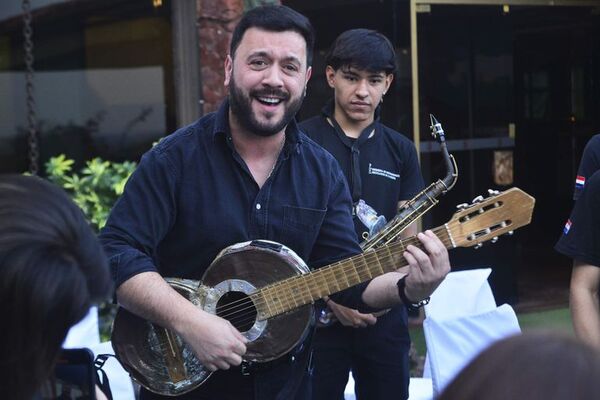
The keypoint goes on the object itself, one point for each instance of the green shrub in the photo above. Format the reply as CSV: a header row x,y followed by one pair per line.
x,y
95,188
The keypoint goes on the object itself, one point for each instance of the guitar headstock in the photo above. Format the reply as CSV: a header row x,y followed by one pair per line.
x,y
490,217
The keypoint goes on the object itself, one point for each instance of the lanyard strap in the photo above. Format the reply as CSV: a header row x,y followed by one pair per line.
x,y
354,146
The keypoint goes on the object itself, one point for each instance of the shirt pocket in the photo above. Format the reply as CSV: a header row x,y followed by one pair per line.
x,y
301,228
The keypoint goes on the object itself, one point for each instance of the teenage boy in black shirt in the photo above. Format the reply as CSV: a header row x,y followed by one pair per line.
x,y
382,170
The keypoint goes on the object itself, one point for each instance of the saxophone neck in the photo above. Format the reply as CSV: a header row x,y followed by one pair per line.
x,y
452,169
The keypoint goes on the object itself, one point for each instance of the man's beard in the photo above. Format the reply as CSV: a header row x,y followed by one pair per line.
x,y
241,107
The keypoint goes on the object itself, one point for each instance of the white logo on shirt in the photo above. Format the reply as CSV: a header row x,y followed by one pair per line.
x,y
383,172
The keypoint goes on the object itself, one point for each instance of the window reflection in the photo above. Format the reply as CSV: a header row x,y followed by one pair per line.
x,y
103,80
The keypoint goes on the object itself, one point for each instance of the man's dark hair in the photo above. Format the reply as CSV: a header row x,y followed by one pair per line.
x,y
275,18
363,49
51,270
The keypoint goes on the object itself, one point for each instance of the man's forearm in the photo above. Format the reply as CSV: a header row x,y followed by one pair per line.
x,y
585,309
150,296
585,312
382,292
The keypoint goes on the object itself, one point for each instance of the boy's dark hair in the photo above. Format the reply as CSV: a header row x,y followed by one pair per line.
x,y
51,270
363,49
275,18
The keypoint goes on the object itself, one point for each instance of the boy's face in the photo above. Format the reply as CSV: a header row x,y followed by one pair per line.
x,y
357,92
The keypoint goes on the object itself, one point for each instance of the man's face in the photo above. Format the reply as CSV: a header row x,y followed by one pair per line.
x,y
357,92
267,78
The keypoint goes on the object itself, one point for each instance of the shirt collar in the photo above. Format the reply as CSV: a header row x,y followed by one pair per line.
x,y
367,133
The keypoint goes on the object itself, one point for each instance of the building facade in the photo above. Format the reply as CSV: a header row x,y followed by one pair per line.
x,y
516,85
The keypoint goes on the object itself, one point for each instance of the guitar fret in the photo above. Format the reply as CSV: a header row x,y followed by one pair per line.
x,y
365,275
333,281
277,299
308,292
355,280
390,256
374,256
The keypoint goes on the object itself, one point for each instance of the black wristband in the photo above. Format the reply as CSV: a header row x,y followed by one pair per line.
x,y
409,304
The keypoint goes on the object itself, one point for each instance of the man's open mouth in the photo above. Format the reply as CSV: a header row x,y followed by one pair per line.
x,y
270,101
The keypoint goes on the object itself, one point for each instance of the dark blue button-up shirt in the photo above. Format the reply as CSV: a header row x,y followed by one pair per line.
x,y
192,195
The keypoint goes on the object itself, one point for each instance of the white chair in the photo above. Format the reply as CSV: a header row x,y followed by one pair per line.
x,y
120,382
85,333
461,320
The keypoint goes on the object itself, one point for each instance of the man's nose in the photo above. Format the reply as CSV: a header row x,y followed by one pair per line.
x,y
273,76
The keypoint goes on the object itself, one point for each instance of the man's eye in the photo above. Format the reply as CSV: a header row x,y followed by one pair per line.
x,y
291,68
258,63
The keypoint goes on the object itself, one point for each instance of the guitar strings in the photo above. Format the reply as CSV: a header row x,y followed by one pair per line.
x,y
245,308
230,310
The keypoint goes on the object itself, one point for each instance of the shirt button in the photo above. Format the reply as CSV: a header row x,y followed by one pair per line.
x,y
258,206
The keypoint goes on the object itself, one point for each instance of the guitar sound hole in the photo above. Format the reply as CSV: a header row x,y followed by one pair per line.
x,y
237,308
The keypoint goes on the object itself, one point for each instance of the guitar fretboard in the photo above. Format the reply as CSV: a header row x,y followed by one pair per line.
x,y
299,290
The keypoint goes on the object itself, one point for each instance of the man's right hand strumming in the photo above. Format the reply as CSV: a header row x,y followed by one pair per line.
x,y
216,343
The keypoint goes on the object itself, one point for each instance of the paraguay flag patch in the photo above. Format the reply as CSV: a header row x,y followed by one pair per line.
x,y
579,181
567,227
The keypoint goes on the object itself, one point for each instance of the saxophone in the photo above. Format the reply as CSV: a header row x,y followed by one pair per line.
x,y
422,202
410,211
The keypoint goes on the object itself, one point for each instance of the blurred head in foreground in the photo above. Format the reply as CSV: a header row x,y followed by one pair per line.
x,y
52,269
532,366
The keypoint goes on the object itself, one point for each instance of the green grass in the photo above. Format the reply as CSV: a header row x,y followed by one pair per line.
x,y
558,319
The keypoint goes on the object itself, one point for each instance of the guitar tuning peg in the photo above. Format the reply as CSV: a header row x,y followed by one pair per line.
x,y
510,233
492,192
494,239
477,199
478,246
462,206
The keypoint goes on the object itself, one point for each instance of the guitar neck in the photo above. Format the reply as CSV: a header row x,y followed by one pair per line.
x,y
299,290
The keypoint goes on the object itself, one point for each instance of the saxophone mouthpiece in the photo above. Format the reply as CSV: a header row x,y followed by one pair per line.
x,y
436,128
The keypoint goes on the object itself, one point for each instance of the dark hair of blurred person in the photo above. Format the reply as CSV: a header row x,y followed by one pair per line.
x,y
52,269
532,366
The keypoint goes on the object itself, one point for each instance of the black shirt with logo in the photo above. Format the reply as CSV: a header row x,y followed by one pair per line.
x,y
590,163
381,166
580,239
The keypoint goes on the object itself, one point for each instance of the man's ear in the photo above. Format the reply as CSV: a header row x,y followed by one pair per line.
x,y
308,74
330,75
228,67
